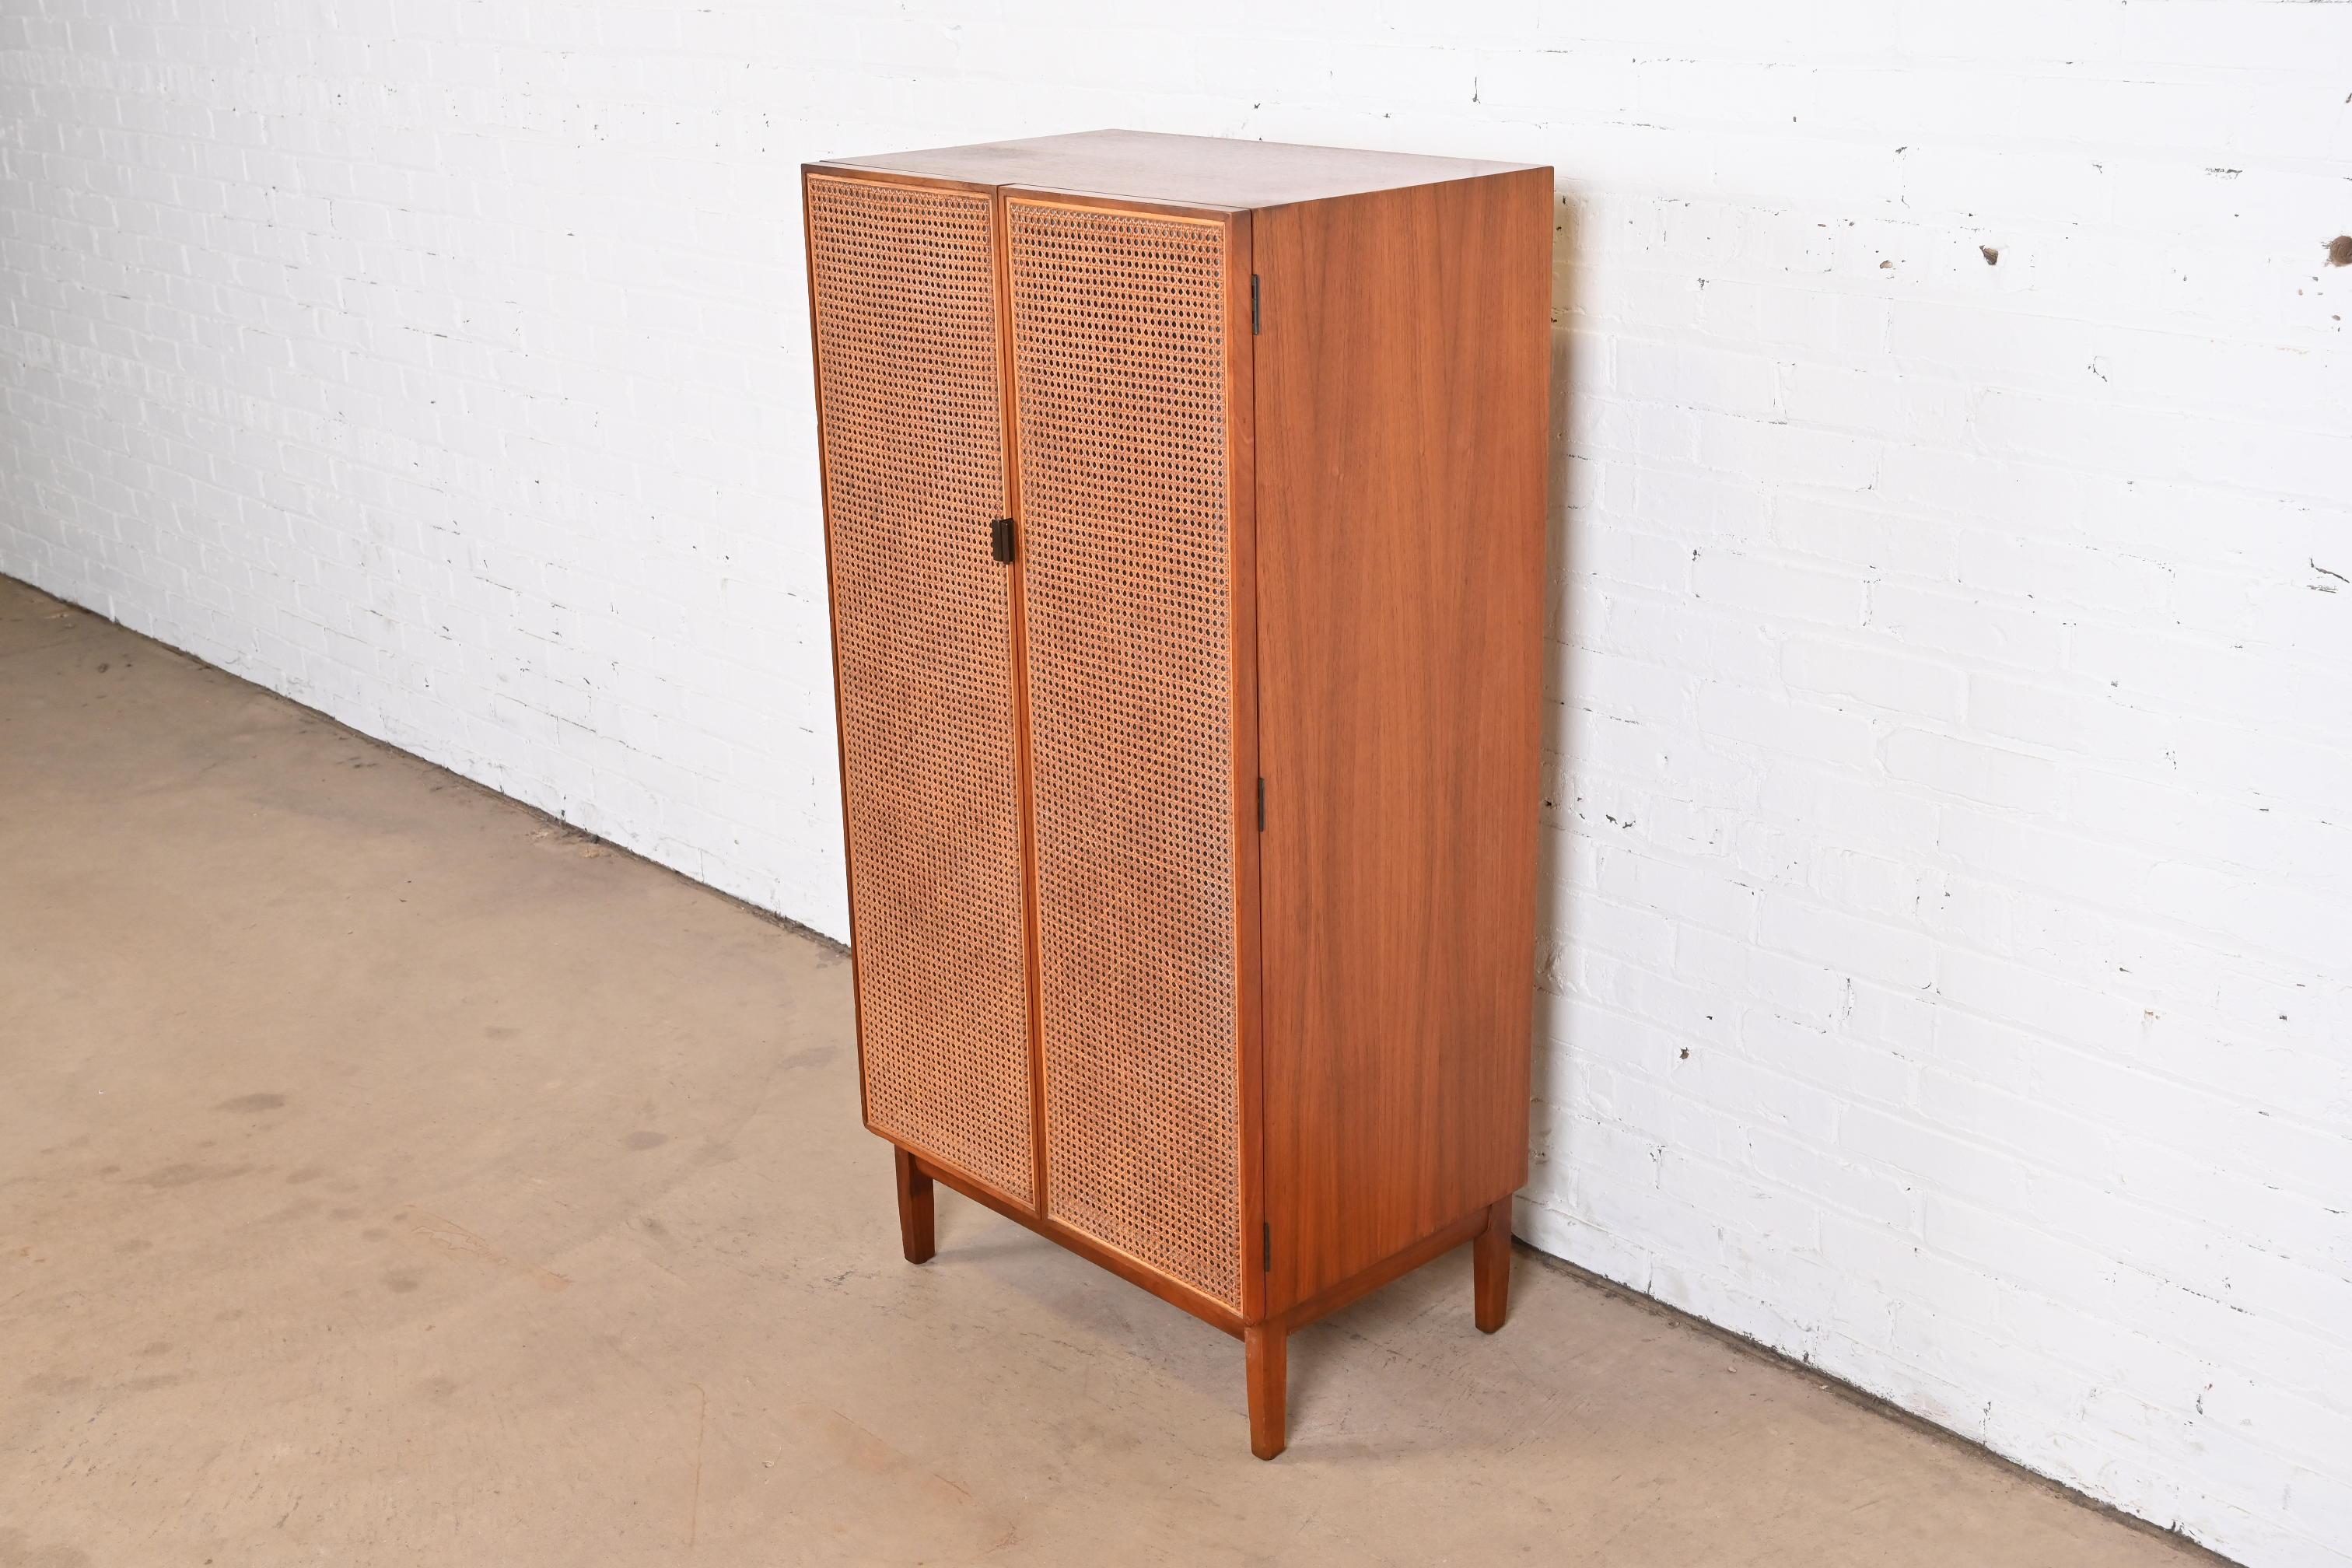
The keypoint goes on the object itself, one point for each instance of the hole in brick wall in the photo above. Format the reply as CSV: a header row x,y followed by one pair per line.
x,y
2339,250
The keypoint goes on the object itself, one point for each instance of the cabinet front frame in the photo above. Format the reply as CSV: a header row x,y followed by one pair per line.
x,y
1245,795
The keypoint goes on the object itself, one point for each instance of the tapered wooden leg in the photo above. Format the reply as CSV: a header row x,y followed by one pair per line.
x,y
1494,1268
1268,1347
914,1210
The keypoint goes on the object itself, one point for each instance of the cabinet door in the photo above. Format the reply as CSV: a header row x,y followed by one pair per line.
x,y
903,291
1124,357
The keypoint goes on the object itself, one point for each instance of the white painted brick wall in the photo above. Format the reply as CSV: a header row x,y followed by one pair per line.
x,y
1950,851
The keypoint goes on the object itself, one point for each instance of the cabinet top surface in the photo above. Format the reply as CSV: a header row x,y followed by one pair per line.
x,y
1208,171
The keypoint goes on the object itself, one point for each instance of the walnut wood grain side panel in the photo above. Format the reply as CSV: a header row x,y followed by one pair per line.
x,y
1403,398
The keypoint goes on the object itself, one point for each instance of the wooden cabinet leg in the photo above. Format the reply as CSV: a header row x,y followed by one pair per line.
x,y
1268,1348
1494,1268
914,1210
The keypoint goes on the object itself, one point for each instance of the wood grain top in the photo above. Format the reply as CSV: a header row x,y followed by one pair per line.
x,y
1202,171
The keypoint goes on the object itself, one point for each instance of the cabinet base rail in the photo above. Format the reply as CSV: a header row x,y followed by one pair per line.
x,y
1264,1342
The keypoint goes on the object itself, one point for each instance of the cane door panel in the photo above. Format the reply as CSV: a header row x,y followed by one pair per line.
x,y
1121,332
904,288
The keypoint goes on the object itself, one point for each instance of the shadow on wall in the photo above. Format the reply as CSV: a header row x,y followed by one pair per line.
x,y
1548,1080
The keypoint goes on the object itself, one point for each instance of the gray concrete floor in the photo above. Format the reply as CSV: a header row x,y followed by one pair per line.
x,y
390,1177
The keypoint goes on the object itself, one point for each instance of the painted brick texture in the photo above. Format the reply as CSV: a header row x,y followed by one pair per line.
x,y
1947,973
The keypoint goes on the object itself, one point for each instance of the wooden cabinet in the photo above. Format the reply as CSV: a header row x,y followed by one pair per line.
x,y
1185,523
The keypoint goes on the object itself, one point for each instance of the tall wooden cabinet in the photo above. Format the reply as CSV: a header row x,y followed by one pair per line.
x,y
1184,515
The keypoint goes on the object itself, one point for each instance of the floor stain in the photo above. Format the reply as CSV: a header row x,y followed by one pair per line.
x,y
452,1237
185,1175
55,1383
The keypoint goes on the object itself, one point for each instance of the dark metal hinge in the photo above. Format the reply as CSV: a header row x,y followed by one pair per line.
x,y
1252,303
1261,804
1000,539
1265,1246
